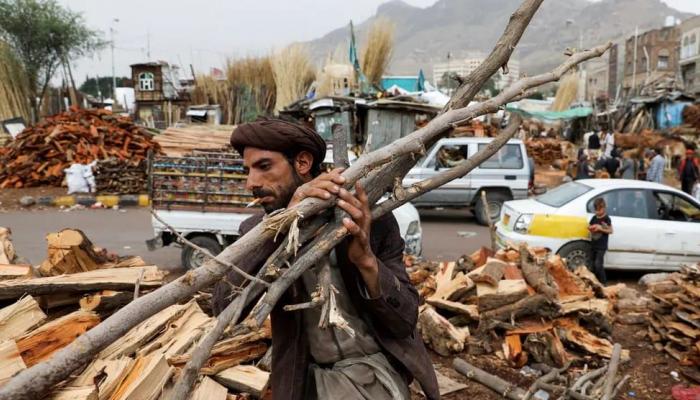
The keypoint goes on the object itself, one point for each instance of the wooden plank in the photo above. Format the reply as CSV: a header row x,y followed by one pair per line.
x,y
100,279
507,292
75,393
245,378
601,306
108,374
12,271
10,360
492,272
20,317
470,310
180,333
209,389
39,344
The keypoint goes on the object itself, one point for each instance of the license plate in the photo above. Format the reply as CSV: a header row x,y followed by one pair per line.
x,y
506,219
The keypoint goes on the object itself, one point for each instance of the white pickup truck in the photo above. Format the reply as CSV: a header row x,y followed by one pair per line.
x,y
203,198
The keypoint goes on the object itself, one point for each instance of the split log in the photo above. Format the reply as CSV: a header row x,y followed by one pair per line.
x,y
452,289
587,276
492,272
638,304
179,333
508,292
513,351
571,332
546,348
7,249
70,251
611,374
39,344
75,393
601,306
439,333
226,358
247,247
531,305
632,318
498,385
468,310
11,361
101,279
145,380
107,375
105,300
209,389
245,378
131,342
480,256
567,283
537,275
11,271
20,317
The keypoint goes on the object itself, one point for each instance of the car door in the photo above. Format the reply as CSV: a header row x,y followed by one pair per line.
x,y
632,244
445,156
678,226
506,168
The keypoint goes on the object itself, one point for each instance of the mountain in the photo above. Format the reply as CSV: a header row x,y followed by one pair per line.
x,y
425,35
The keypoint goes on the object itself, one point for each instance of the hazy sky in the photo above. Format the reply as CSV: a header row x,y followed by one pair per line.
x,y
206,32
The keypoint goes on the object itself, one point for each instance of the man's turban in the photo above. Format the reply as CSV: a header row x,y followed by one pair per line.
x,y
279,135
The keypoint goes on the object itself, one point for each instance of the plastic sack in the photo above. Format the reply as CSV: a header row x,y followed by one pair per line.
x,y
680,392
80,179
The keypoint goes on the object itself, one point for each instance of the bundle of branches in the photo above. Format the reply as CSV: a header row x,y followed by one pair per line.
x,y
293,73
691,115
14,88
377,50
377,171
566,92
41,152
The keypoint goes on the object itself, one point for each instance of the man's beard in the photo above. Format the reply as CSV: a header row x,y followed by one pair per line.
x,y
284,196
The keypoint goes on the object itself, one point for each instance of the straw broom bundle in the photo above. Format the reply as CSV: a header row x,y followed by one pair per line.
x,y
14,88
377,51
252,88
566,93
293,74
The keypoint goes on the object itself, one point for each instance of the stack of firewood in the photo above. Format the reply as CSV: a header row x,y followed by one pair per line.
x,y
674,323
545,151
41,152
116,176
522,304
44,309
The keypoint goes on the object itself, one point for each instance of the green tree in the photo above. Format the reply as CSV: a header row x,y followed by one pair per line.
x,y
449,80
43,35
90,86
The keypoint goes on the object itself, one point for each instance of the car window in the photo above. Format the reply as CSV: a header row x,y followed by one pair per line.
x,y
629,203
563,194
449,156
508,157
672,207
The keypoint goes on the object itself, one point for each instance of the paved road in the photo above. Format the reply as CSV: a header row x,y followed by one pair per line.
x,y
446,234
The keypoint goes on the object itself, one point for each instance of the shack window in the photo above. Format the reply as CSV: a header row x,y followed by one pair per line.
x,y
663,62
146,81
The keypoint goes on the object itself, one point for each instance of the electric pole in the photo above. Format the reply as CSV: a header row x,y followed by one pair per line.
x,y
114,75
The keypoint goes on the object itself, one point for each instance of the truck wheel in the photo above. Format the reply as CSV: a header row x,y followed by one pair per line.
x,y
192,258
495,201
576,254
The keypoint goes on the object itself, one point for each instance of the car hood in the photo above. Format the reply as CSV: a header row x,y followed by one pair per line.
x,y
530,206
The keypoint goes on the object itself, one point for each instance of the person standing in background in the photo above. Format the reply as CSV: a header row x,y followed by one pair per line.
x,y
628,168
593,143
600,227
689,171
656,167
608,144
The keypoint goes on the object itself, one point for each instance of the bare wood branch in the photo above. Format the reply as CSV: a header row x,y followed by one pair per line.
x,y
611,375
206,252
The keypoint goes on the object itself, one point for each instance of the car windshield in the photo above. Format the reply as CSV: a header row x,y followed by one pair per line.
x,y
563,194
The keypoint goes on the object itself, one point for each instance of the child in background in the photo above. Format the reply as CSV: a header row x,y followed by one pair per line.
x,y
600,227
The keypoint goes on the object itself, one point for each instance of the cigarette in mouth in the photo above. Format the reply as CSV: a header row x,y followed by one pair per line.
x,y
254,202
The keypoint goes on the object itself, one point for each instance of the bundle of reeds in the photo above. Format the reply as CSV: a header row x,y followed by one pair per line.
x,y
293,74
566,93
14,87
252,86
377,50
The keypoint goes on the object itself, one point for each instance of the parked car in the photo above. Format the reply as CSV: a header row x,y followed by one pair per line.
x,y
505,176
655,227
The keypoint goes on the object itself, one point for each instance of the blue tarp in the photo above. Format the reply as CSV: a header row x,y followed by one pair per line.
x,y
670,114
578,112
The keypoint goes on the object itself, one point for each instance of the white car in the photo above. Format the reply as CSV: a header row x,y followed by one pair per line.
x,y
655,227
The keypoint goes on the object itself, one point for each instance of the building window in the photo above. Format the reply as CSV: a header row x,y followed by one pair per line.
x,y
146,82
662,62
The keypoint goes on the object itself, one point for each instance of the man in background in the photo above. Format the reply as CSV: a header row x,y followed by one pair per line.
x,y
655,173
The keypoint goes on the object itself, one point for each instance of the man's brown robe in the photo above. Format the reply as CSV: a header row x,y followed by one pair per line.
x,y
391,317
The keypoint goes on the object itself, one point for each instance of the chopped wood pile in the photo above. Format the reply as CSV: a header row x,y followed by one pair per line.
x,y
647,139
674,323
43,310
474,128
545,151
116,176
522,304
41,152
180,141
691,115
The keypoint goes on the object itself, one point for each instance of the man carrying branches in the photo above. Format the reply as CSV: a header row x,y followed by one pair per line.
x,y
375,352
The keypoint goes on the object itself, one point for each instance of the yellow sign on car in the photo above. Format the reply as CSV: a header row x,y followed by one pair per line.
x,y
559,226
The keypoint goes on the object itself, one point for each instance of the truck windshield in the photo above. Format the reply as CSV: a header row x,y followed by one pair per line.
x,y
563,194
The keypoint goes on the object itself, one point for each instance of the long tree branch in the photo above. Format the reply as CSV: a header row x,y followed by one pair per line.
x,y
34,381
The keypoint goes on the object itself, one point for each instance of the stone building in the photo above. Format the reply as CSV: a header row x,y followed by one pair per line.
x,y
690,54
655,59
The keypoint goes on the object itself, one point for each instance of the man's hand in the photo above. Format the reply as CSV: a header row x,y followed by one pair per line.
x,y
358,225
322,187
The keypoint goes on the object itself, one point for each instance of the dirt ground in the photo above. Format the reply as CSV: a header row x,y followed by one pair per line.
x,y
649,370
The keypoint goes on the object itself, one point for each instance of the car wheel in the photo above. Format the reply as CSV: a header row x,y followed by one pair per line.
x,y
192,258
495,202
576,254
